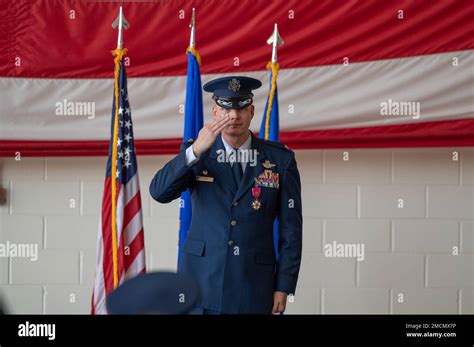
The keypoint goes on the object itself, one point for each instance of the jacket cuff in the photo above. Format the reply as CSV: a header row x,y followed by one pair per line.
x,y
285,283
182,168
190,157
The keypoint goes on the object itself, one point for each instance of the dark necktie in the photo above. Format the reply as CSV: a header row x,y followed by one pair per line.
x,y
237,171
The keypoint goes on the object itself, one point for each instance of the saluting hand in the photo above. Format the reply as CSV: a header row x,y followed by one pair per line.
x,y
207,135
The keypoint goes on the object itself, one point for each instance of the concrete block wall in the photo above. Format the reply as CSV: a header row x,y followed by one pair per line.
x,y
418,251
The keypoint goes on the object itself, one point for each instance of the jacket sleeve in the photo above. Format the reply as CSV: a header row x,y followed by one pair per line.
x,y
290,229
173,179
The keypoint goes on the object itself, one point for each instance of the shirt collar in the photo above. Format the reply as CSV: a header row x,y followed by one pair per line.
x,y
244,146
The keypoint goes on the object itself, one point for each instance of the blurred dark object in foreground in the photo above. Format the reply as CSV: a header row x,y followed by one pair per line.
x,y
154,293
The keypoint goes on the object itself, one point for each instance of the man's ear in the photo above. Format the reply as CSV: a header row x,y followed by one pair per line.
x,y
215,112
252,111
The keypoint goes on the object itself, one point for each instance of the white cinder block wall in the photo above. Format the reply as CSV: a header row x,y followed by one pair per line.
x,y
409,266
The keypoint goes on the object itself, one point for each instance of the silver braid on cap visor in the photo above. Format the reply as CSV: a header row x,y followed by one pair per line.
x,y
229,103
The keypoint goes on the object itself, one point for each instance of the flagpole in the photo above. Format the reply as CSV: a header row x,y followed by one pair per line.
x,y
193,121
269,130
192,38
119,22
192,25
275,40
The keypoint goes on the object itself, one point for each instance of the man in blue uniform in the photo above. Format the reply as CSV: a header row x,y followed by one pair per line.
x,y
238,184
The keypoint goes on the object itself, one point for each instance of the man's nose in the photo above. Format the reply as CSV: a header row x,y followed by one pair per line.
x,y
234,114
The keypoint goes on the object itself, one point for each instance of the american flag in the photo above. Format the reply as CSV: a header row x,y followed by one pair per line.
x,y
130,255
427,56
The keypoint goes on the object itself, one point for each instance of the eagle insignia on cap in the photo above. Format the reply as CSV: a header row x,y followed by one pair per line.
x,y
234,85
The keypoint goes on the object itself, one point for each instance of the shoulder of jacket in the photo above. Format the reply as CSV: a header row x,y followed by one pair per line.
x,y
274,144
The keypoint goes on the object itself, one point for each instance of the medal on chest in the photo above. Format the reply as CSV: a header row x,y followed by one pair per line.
x,y
256,204
268,179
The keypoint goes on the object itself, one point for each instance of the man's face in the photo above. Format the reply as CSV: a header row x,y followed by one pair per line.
x,y
239,119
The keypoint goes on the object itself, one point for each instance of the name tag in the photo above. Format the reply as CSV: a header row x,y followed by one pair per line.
x,y
204,178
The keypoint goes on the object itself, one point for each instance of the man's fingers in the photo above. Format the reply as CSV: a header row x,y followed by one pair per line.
x,y
276,304
218,131
221,120
219,124
221,127
275,307
208,134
